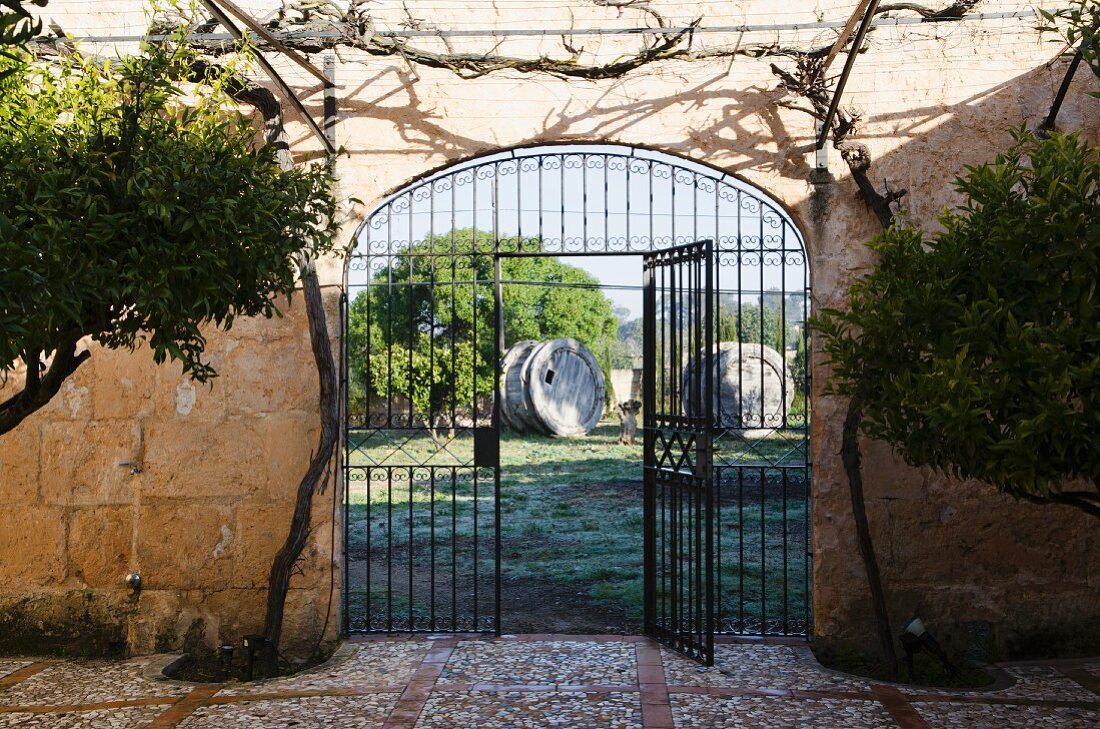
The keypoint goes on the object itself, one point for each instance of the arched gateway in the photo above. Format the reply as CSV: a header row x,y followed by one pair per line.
x,y
727,485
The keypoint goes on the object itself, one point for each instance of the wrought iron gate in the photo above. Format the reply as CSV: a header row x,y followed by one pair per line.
x,y
422,514
678,406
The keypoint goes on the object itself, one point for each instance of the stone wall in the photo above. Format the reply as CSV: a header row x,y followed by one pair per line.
x,y
219,466
132,467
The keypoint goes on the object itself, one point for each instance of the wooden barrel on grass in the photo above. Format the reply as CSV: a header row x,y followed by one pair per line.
x,y
555,388
753,388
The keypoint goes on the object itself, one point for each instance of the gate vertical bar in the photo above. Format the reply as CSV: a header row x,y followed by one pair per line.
x,y
498,349
710,485
649,405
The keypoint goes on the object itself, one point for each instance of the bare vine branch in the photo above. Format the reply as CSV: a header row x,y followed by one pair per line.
x,y
952,12
808,82
359,35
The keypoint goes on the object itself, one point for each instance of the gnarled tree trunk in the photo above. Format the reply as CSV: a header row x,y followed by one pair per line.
x,y
320,465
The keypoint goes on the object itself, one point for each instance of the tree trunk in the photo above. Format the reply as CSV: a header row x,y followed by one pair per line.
x,y
319,470
850,455
320,464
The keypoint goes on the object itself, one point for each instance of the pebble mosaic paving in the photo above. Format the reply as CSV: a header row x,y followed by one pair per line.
x,y
693,711
984,716
88,682
320,712
378,663
531,710
131,717
1028,682
7,667
507,662
757,666
540,682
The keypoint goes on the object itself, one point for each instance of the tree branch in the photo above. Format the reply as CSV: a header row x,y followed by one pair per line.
x,y
1063,89
1086,501
951,12
39,389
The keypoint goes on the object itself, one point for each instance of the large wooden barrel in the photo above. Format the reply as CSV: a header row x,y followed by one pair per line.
x,y
555,388
752,386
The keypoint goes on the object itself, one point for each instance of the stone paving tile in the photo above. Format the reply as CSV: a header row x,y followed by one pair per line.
x,y
531,710
377,663
756,666
7,667
320,712
696,711
576,663
131,717
985,716
1032,682
88,682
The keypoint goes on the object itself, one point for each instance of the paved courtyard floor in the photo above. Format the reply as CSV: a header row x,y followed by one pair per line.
x,y
530,682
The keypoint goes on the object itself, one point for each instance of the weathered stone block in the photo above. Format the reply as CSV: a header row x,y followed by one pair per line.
x,y
890,477
92,464
261,529
100,544
124,383
72,622
32,542
202,459
304,620
20,451
185,544
270,377
289,324
233,613
152,625
288,443
74,400
178,397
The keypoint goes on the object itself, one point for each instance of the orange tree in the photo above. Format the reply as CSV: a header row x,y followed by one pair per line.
x,y
128,214
976,350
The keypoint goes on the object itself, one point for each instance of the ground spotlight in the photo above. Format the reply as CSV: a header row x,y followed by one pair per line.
x,y
914,638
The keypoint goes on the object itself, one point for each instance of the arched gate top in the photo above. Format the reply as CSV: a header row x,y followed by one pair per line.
x,y
570,198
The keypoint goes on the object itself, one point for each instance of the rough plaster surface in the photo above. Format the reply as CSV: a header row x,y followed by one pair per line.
x,y
219,465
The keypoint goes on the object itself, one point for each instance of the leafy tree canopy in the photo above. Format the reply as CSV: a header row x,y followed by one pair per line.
x,y
976,350
130,212
443,322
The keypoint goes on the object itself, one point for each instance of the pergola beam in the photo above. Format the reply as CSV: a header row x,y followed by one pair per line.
x,y
857,43
223,18
250,23
845,35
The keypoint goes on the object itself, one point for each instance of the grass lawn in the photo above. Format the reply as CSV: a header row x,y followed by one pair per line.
x,y
571,534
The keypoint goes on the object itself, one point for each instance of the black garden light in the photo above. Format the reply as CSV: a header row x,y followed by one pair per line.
x,y
914,638
225,659
253,644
